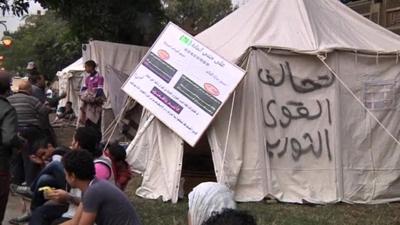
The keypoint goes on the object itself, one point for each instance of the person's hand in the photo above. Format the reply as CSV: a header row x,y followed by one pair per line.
x,y
45,153
37,160
49,152
58,195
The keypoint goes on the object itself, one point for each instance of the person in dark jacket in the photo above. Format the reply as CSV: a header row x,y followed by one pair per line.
x,y
8,139
38,91
38,86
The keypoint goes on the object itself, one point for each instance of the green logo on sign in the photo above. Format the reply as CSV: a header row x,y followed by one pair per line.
x,y
185,40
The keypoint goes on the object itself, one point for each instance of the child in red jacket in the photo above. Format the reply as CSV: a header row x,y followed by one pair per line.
x,y
121,169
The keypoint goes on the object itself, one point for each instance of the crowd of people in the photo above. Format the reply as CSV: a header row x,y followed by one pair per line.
x,y
83,183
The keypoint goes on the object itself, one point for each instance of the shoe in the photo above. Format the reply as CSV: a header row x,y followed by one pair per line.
x,y
24,191
24,218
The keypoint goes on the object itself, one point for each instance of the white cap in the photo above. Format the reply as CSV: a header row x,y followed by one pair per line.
x,y
31,65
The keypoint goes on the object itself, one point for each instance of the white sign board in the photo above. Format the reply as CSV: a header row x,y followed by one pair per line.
x,y
183,83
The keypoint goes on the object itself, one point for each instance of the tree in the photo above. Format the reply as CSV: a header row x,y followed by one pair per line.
x,y
17,7
134,22
45,39
197,15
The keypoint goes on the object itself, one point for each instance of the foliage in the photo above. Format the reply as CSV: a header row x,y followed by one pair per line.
x,y
44,39
196,16
17,7
134,22
53,40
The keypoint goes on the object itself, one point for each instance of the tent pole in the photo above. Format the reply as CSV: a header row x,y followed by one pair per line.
x,y
227,139
117,122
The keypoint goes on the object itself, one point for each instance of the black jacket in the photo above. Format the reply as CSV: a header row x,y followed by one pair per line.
x,y
8,133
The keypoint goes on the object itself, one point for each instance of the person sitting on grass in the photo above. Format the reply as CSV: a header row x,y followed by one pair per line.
x,y
66,112
230,217
121,169
55,211
102,202
208,198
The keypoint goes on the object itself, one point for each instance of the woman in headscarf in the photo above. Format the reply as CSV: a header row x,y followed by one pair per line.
x,y
208,198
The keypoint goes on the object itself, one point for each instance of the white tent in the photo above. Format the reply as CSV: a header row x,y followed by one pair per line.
x,y
115,63
69,81
315,119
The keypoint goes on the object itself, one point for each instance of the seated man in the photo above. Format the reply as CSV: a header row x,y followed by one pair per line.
x,y
51,175
52,212
66,113
102,202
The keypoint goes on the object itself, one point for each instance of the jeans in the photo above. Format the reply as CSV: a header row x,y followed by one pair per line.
x,y
53,176
22,168
47,213
4,188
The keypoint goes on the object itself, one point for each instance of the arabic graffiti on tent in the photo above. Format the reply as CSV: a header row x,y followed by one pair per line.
x,y
278,114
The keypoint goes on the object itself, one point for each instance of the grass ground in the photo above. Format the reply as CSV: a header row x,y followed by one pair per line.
x,y
156,212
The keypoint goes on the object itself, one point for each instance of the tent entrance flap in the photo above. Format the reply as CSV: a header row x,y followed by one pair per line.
x,y
197,165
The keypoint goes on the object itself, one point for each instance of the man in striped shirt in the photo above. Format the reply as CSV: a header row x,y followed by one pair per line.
x,y
29,113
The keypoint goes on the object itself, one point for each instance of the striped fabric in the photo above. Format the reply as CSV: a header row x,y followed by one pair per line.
x,y
29,109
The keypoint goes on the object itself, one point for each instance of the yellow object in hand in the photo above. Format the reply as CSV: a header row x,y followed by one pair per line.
x,y
46,191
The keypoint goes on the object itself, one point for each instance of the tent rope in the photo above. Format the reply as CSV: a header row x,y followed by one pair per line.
x,y
117,122
322,58
358,100
109,128
227,137
246,62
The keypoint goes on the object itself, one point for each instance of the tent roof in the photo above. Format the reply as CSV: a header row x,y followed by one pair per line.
x,y
305,26
76,66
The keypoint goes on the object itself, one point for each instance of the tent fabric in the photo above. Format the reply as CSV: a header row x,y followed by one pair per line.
x,y
330,150
76,66
115,62
158,157
296,135
70,80
305,26
122,58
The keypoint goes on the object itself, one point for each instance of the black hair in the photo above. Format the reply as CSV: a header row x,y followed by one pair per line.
x,y
33,72
34,78
80,163
117,152
91,63
88,138
231,217
41,141
61,150
5,83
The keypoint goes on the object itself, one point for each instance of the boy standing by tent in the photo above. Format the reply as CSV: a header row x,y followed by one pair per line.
x,y
93,97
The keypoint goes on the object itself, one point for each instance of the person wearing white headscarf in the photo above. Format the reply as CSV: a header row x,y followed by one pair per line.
x,y
208,198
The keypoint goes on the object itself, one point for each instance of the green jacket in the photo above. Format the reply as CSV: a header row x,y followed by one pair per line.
x,y
8,133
